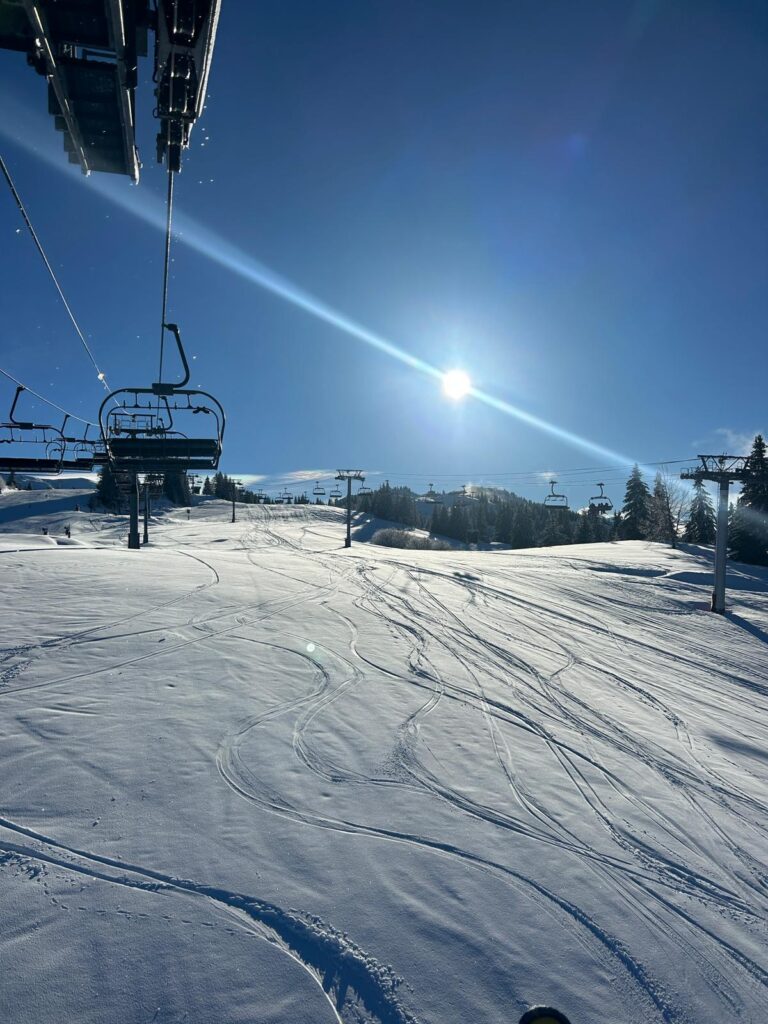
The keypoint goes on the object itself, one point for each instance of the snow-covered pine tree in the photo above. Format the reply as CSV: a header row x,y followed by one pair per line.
x,y
749,540
207,488
666,509
636,508
701,525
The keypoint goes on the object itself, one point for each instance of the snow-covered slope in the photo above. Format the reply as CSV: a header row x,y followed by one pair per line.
x,y
250,776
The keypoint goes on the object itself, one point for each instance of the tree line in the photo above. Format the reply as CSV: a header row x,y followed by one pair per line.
x,y
666,511
222,486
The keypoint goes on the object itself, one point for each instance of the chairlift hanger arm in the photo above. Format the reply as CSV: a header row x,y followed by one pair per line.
x,y
23,425
159,388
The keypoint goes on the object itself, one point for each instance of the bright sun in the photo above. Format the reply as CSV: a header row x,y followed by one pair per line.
x,y
456,384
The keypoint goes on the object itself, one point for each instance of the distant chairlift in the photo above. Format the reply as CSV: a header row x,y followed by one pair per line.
x,y
555,500
600,502
318,491
363,488
335,492
139,432
286,497
43,436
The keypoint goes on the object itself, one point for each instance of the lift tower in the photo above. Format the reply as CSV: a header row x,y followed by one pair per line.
x,y
723,469
349,475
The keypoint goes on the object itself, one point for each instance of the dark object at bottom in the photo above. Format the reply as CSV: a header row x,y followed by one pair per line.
x,y
544,1015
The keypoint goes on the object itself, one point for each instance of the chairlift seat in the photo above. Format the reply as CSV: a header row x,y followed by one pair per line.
x,y
20,464
164,454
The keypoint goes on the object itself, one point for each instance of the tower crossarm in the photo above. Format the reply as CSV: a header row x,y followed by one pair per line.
x,y
721,467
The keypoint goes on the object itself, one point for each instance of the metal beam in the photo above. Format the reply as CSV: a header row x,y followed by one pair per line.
x,y
349,475
721,549
39,24
116,23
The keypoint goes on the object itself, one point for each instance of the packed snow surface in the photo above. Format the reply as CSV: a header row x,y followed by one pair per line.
x,y
249,775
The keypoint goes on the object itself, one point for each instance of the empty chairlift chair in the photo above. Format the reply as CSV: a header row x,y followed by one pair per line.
x,y
554,500
39,447
140,426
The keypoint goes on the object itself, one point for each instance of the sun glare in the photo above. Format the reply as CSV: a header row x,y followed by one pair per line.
x,y
456,384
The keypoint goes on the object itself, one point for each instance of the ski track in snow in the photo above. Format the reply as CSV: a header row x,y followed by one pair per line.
x,y
537,663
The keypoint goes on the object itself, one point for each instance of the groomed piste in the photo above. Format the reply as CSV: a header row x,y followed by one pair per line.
x,y
251,776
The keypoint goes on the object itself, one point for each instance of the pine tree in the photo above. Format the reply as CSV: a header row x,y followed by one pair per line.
x,y
554,530
207,488
749,540
522,528
584,532
457,523
635,511
700,527
176,488
504,521
661,526
107,490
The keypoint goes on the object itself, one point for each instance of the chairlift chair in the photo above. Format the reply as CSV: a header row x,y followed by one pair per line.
x,y
364,489
554,500
42,434
139,432
600,502
335,492
318,490
286,496
432,496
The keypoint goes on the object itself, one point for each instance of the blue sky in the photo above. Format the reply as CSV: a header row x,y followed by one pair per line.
x,y
566,200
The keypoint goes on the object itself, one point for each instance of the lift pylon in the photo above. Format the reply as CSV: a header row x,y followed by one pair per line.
x,y
723,470
349,475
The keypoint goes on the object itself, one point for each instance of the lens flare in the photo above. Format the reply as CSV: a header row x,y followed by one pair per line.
x,y
188,232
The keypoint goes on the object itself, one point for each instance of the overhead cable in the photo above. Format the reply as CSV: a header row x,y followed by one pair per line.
x,y
47,401
166,264
28,222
